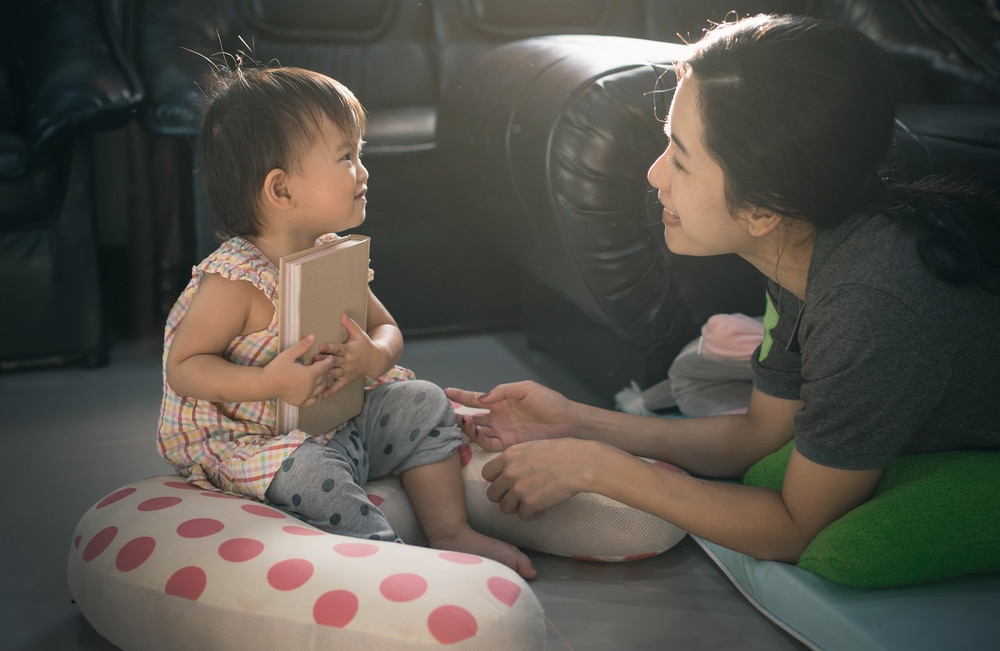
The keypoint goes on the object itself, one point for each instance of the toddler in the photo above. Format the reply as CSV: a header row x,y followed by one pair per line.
x,y
281,164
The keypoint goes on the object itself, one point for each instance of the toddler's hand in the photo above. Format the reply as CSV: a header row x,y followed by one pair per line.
x,y
357,357
297,383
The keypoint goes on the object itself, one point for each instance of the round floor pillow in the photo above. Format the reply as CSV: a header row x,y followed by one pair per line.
x,y
160,564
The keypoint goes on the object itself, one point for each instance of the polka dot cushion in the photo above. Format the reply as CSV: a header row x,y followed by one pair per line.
x,y
162,564
159,564
588,526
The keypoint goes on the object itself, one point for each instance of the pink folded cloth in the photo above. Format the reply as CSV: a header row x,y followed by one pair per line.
x,y
711,375
730,336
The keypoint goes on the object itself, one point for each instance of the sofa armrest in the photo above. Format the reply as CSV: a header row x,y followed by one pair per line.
x,y
76,83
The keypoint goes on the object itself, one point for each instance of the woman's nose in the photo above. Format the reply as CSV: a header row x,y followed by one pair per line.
x,y
659,172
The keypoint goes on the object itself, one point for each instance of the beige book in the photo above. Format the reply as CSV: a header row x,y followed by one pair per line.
x,y
315,287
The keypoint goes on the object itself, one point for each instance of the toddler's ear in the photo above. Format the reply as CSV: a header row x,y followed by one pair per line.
x,y
275,192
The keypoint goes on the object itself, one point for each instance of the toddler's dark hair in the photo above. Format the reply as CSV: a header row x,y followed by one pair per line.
x,y
260,118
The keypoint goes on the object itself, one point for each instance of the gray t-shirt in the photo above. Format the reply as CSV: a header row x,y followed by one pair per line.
x,y
888,359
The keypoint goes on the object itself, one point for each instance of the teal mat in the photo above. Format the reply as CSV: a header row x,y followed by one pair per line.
x,y
955,614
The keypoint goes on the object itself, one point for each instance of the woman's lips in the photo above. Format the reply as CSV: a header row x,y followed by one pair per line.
x,y
670,219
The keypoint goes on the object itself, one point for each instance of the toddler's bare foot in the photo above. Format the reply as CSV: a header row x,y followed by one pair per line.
x,y
472,542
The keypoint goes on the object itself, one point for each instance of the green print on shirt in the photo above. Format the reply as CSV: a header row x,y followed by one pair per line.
x,y
770,321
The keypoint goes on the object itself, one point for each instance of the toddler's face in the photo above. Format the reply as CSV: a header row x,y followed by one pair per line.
x,y
329,183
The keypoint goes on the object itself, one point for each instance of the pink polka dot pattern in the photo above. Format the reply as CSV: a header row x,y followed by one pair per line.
x,y
199,528
623,559
162,540
290,574
134,553
460,558
403,587
451,624
336,608
158,503
182,485
114,497
240,550
187,582
355,550
99,543
263,511
301,531
505,590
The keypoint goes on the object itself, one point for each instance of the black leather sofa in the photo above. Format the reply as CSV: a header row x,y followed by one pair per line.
x,y
62,80
507,146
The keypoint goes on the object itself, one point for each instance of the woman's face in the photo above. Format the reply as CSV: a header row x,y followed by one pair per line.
x,y
691,187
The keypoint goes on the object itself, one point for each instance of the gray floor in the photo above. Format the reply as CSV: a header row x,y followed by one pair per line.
x,y
70,436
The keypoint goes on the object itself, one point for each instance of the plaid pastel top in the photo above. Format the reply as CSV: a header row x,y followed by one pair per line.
x,y
234,446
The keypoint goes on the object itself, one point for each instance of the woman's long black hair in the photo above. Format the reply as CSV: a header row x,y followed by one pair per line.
x,y
799,113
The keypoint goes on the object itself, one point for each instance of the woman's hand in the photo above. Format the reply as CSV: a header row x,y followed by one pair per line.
x,y
529,478
518,412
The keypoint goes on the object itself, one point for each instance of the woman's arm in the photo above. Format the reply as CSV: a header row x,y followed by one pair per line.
x,y
529,478
764,523
592,450
721,446
555,448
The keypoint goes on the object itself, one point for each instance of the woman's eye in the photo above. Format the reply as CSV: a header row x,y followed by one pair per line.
x,y
672,157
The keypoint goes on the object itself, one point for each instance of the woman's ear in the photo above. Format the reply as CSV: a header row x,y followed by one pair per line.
x,y
760,222
275,192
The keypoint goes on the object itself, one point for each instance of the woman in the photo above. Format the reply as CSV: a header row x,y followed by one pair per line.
x,y
882,304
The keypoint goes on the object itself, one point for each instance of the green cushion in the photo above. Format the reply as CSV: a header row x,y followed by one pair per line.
x,y
932,517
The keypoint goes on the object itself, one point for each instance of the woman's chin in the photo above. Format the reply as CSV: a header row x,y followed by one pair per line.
x,y
676,244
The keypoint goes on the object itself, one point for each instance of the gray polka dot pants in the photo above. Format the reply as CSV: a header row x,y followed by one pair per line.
x,y
402,425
